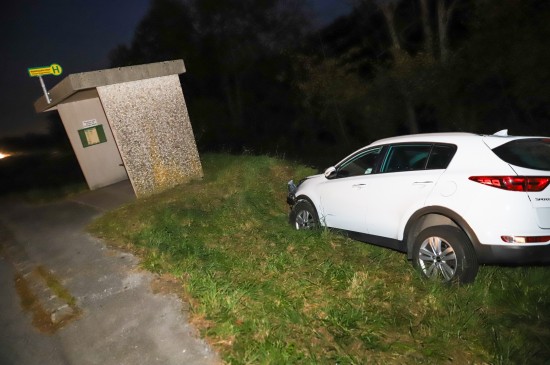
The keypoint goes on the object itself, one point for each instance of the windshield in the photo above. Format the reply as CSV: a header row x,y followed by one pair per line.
x,y
531,153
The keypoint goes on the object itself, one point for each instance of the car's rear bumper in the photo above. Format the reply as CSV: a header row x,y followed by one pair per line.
x,y
513,255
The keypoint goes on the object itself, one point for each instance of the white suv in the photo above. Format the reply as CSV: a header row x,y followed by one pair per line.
x,y
451,201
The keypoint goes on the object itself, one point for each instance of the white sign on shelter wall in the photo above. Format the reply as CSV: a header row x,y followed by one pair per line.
x,y
89,123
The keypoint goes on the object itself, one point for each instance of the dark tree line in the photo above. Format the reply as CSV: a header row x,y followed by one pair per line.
x,y
260,77
238,57
55,139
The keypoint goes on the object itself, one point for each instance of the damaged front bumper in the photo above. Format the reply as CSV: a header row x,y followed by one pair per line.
x,y
291,197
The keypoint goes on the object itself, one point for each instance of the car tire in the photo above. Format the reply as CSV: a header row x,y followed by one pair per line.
x,y
304,216
446,254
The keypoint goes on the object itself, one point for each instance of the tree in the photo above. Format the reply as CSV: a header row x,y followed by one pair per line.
x,y
411,67
333,96
166,32
237,56
445,10
388,9
426,27
401,61
499,78
242,36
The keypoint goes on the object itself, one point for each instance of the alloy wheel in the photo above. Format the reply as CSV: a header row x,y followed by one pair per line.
x,y
437,258
304,220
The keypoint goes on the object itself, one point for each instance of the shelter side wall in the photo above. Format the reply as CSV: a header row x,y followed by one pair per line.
x,y
153,132
93,142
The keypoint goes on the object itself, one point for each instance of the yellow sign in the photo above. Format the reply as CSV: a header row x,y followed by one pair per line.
x,y
53,69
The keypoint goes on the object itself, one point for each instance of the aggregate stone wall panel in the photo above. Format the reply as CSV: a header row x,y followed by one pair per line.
x,y
151,126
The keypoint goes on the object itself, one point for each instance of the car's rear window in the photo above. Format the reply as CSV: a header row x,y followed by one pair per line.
x,y
441,157
531,153
418,156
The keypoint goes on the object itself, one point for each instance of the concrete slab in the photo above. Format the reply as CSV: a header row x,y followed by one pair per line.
x,y
107,198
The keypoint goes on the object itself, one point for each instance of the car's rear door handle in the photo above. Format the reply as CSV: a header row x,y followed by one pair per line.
x,y
358,186
423,182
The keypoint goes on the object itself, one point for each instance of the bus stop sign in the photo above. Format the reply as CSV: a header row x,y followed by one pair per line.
x,y
53,69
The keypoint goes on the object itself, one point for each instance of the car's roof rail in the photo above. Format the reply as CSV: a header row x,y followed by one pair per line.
x,y
502,133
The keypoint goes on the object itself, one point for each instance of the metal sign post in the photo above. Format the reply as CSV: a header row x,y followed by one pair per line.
x,y
53,69
46,93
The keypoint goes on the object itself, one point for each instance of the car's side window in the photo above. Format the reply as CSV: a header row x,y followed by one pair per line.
x,y
362,164
441,156
406,157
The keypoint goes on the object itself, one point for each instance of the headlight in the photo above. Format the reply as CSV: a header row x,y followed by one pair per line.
x,y
291,187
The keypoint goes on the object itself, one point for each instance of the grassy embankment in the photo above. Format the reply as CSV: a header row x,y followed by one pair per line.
x,y
261,292
41,176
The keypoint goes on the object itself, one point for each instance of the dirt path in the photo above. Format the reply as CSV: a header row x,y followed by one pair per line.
x,y
65,298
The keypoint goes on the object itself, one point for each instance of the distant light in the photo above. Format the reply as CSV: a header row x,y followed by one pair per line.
x,y
4,155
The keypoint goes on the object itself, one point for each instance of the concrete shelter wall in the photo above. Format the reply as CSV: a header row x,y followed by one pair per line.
x,y
151,126
101,164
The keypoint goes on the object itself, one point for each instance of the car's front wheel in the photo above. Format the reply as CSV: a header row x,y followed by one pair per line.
x,y
446,254
304,216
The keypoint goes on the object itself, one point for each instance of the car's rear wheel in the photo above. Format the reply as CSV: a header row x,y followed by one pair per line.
x,y
446,254
304,215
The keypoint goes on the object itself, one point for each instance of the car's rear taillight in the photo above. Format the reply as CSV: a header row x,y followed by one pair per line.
x,y
514,183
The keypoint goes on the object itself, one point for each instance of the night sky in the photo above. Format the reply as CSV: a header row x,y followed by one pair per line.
x,y
76,34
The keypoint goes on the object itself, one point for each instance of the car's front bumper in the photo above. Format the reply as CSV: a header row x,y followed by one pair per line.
x,y
291,197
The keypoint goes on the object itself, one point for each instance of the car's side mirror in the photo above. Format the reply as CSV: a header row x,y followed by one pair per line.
x,y
330,172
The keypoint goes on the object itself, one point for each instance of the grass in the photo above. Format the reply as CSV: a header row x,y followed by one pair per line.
x,y
56,287
261,292
30,302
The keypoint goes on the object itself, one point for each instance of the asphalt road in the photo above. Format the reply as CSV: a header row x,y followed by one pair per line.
x,y
65,298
